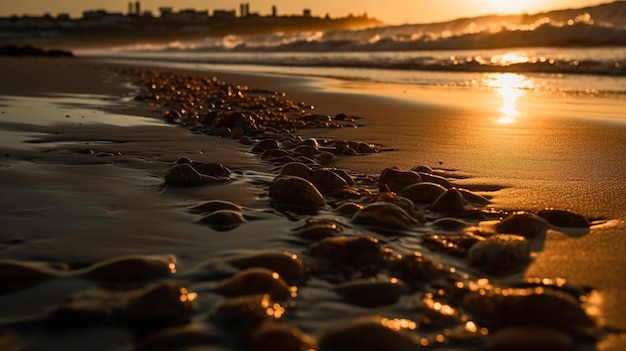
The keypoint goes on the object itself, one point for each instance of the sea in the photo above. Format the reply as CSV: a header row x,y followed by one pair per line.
x,y
579,51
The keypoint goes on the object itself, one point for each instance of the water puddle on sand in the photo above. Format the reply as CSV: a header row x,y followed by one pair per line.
x,y
23,118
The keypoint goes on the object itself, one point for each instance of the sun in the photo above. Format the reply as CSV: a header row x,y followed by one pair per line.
x,y
508,6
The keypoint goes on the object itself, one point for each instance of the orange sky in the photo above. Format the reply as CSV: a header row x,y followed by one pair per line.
x,y
402,11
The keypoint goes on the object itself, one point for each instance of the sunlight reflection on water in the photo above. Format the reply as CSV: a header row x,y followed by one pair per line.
x,y
509,87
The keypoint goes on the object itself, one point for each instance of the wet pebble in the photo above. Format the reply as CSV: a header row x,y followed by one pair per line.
x,y
562,218
500,254
287,264
423,193
524,338
281,337
384,215
450,202
215,205
245,313
317,229
348,209
185,175
133,267
223,220
355,252
296,191
253,281
522,223
371,333
416,269
395,180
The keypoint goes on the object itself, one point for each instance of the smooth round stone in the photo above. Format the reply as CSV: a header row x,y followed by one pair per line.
x,y
450,223
252,281
473,198
297,169
223,219
215,205
534,306
133,267
395,180
373,293
176,337
167,301
522,223
306,151
565,219
272,154
343,174
423,193
185,175
371,333
450,202
211,169
280,337
327,181
422,168
352,251
500,254
245,313
287,264
384,215
431,178
524,338
296,191
317,230
266,144
416,269
348,209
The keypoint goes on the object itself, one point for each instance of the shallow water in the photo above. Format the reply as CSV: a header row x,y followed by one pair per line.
x,y
117,205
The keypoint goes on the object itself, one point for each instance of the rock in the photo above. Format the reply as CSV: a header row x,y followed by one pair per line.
x,y
500,254
416,269
253,281
287,264
523,338
473,198
245,313
316,229
266,144
351,251
522,223
297,192
372,293
565,219
431,178
455,245
280,337
133,267
450,202
327,181
17,271
348,209
185,175
394,180
384,215
423,193
223,219
297,169
371,333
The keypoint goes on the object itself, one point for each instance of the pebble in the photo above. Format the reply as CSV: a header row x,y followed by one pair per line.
x,y
450,202
133,267
252,281
395,180
423,193
562,218
522,223
287,264
371,333
373,292
384,215
351,251
524,338
223,220
280,337
297,192
500,254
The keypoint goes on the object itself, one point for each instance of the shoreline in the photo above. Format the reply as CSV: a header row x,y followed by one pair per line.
x,y
145,157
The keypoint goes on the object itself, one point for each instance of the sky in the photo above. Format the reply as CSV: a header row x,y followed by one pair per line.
x,y
401,12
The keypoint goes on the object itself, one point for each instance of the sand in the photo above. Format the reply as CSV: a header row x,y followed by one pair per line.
x,y
79,208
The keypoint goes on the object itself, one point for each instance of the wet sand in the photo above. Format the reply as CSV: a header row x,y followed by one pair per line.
x,y
80,208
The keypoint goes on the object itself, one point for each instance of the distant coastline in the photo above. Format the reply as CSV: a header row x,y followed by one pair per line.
x,y
101,28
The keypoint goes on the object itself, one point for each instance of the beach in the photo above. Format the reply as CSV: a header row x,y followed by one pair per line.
x,y
83,167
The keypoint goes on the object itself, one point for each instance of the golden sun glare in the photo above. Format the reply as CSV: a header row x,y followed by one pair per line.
x,y
508,6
